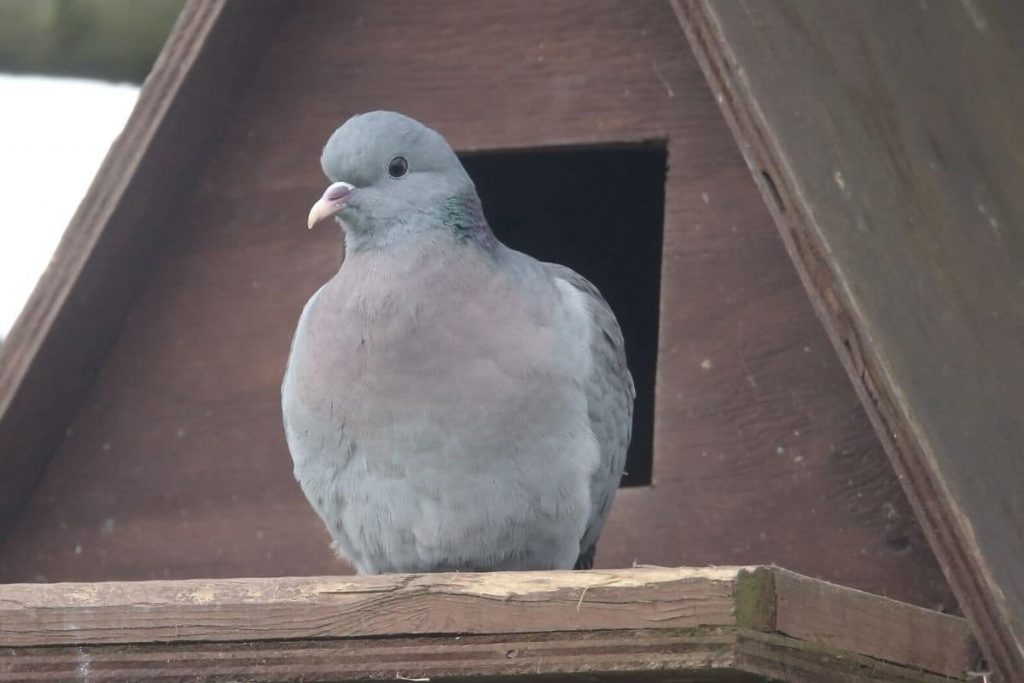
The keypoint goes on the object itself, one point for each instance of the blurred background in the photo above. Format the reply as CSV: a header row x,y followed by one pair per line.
x,y
70,72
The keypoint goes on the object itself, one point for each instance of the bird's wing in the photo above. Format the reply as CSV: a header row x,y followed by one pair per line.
x,y
610,393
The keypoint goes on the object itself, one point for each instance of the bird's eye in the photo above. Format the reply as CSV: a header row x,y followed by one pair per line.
x,y
398,167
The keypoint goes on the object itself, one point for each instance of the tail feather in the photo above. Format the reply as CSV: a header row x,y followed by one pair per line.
x,y
586,558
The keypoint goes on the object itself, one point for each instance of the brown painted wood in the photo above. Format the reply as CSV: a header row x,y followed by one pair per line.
x,y
716,655
55,349
893,631
682,622
584,656
786,659
890,135
175,466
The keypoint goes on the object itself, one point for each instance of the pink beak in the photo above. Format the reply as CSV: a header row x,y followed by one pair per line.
x,y
333,200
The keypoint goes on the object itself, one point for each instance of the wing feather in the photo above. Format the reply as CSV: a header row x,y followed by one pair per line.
x,y
610,392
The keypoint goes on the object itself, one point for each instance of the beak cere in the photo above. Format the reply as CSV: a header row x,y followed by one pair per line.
x,y
333,200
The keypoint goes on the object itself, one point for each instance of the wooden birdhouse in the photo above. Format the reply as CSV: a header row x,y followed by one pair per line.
x,y
805,218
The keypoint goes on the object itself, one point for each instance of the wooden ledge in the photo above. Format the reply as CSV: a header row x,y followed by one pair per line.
x,y
740,623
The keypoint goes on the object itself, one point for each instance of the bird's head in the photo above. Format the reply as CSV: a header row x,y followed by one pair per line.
x,y
391,174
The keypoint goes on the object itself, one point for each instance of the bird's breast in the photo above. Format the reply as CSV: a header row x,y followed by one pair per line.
x,y
434,373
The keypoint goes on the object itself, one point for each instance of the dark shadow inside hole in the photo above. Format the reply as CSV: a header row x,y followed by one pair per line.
x,y
599,211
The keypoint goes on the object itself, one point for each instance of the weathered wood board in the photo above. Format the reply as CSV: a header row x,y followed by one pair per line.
x,y
723,623
887,138
174,464
55,350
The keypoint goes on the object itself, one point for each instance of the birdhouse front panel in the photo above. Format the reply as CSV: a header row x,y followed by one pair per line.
x,y
594,141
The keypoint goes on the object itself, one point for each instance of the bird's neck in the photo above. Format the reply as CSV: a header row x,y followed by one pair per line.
x,y
455,234
399,281
457,219
463,216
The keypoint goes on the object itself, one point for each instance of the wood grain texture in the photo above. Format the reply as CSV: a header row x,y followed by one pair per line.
x,y
816,611
58,343
714,655
670,623
890,136
779,658
175,466
274,609
584,656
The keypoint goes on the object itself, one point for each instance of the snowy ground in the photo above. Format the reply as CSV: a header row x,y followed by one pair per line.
x,y
54,132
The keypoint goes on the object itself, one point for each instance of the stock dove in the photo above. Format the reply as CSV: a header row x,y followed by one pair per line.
x,y
450,404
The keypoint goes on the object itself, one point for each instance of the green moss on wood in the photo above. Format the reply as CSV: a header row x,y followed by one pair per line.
x,y
755,599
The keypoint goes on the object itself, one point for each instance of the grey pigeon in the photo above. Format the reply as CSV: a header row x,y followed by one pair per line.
x,y
450,404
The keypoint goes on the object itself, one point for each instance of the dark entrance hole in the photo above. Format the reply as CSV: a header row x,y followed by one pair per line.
x,y
599,211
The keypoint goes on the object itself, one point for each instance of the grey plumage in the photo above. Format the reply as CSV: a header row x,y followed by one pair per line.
x,y
449,403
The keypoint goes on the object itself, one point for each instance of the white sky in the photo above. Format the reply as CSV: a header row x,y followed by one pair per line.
x,y
54,132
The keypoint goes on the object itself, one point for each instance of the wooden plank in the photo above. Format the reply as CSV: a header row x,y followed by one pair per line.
x,y
779,658
886,139
585,656
842,618
272,609
722,655
685,623
58,343
759,438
